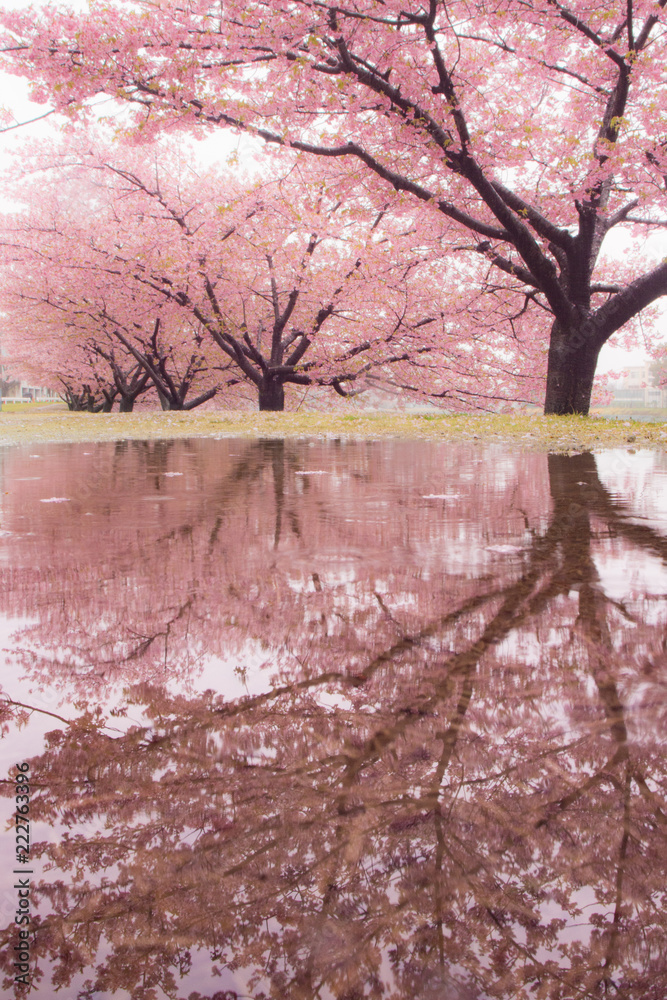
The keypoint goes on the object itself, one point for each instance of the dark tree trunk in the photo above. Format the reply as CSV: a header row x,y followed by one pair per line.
x,y
92,405
126,404
164,402
271,395
172,402
573,358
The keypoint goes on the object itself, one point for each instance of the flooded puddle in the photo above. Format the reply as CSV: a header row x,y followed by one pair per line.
x,y
333,720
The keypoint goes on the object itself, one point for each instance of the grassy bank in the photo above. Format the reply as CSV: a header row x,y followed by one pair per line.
x,y
526,432
45,405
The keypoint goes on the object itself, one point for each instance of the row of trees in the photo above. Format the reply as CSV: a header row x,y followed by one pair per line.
x,y
132,270
526,132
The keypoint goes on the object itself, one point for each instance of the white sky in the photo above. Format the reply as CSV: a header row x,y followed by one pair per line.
x,y
14,91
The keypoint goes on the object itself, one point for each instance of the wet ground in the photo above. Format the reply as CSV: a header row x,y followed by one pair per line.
x,y
335,719
523,431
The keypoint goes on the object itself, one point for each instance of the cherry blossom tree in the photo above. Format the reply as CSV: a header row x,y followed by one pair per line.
x,y
88,374
296,279
533,129
170,362
73,348
128,381
76,326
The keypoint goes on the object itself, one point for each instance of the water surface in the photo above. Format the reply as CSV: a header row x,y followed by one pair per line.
x,y
337,720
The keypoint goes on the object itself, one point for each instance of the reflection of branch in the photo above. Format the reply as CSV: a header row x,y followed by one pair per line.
x,y
521,601
146,641
602,774
510,941
605,506
611,957
42,711
591,621
505,773
388,614
354,680
651,797
512,613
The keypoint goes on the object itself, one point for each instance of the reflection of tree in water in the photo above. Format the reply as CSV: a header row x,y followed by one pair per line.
x,y
465,802
162,569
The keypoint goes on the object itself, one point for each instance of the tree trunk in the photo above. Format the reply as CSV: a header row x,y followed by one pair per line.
x,y
271,395
126,404
573,358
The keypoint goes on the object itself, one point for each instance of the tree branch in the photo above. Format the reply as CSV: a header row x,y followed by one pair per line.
x,y
629,301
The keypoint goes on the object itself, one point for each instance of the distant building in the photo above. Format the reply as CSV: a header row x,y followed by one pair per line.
x,y
634,389
16,391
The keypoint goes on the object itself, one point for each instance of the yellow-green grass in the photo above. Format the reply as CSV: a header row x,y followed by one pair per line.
x,y
520,431
30,407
